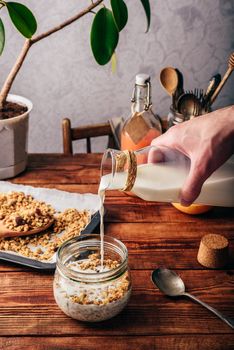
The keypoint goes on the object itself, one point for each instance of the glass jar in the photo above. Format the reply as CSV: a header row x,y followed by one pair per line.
x,y
81,289
143,125
174,117
158,174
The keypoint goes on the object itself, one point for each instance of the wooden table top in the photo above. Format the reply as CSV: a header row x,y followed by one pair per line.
x,y
156,234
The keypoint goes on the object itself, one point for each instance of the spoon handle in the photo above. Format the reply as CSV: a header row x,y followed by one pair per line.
x,y
221,84
228,320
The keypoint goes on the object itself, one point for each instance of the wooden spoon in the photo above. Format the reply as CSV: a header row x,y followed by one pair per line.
x,y
225,78
169,79
6,232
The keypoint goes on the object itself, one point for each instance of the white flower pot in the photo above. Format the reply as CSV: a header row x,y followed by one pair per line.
x,y
14,140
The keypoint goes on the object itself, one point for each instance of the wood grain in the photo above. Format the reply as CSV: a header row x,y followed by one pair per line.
x,y
156,234
36,307
174,342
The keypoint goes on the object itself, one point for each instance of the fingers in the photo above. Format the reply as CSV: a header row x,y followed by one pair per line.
x,y
198,174
166,139
155,155
165,145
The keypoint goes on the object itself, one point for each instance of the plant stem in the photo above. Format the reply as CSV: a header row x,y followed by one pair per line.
x,y
67,22
15,69
29,42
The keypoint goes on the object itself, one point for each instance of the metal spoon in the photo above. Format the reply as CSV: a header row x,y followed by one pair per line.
x,y
172,285
188,103
169,79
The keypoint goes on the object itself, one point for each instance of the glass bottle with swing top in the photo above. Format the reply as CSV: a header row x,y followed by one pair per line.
x,y
143,125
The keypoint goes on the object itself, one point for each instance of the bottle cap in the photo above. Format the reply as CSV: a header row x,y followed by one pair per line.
x,y
142,79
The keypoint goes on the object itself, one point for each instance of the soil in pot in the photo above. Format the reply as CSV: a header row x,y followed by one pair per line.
x,y
11,110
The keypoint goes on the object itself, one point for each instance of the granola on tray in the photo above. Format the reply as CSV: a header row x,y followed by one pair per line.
x,y
22,212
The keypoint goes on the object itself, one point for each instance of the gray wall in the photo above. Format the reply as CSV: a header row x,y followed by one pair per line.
x,y
61,77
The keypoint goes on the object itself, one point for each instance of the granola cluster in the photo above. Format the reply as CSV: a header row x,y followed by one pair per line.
x,y
70,220
41,246
105,294
22,213
94,262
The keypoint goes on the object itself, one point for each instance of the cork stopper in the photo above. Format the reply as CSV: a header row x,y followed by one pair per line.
x,y
213,251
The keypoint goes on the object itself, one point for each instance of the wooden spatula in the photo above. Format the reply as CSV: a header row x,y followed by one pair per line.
x,y
6,232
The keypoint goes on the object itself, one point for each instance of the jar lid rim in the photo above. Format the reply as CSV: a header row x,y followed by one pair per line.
x,y
91,276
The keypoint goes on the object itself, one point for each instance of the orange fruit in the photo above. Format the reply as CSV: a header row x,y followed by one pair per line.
x,y
193,209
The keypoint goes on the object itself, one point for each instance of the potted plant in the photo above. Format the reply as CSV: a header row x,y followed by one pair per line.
x,y
14,110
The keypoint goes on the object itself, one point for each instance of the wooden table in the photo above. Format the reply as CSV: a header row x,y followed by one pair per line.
x,y
156,234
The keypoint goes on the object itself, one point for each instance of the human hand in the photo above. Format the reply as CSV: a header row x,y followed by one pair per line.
x,y
208,141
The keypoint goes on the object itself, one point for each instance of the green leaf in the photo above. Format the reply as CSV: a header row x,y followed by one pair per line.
x,y
120,13
22,18
146,5
2,36
104,36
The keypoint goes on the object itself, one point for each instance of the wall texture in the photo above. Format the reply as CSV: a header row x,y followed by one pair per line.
x,y
61,77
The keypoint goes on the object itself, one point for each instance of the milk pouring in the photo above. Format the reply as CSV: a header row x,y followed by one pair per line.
x,y
159,175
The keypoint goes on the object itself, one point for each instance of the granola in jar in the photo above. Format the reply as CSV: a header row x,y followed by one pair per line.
x,y
83,288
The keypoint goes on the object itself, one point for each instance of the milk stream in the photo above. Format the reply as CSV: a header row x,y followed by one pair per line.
x,y
101,193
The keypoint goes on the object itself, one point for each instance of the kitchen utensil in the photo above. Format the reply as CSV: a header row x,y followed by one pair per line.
x,y
188,104
172,285
6,232
179,90
169,79
196,110
180,86
213,83
225,78
50,264
199,94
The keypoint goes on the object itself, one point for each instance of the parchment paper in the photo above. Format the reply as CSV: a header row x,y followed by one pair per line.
x,y
60,201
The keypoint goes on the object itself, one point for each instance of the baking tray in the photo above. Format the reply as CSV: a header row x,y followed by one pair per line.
x,y
40,265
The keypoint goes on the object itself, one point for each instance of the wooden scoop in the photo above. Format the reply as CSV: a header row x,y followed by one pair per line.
x,y
6,232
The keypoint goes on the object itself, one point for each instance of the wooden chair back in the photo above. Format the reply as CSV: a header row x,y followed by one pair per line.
x,y
84,132
87,132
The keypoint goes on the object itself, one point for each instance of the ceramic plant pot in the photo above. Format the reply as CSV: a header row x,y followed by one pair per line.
x,y
14,140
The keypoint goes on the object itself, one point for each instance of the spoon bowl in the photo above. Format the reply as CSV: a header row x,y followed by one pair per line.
x,y
189,105
168,282
169,79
